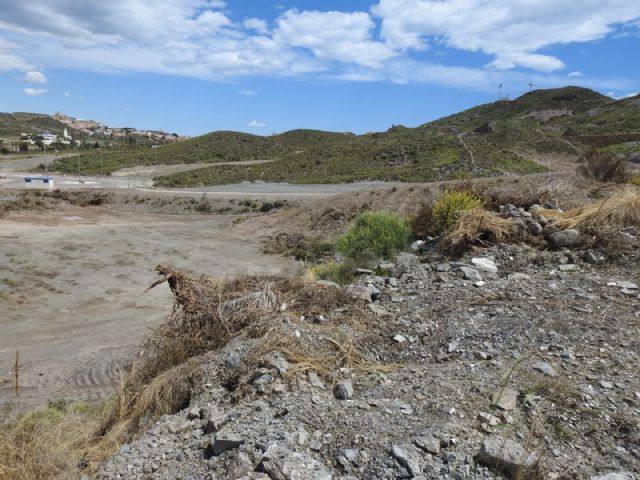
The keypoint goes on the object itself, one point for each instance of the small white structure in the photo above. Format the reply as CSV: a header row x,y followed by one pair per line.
x,y
48,138
46,182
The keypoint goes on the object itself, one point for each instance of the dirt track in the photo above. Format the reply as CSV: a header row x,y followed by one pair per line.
x,y
72,284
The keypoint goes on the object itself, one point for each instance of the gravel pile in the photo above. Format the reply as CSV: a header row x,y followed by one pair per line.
x,y
508,363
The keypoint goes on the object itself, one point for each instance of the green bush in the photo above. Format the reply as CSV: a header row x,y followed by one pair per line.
x,y
339,272
447,209
636,180
374,235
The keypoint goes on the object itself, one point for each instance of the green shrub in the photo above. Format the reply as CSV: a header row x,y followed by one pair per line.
x,y
374,235
636,180
339,272
447,209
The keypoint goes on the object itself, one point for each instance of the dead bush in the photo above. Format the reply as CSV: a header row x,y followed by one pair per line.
x,y
476,227
620,209
605,167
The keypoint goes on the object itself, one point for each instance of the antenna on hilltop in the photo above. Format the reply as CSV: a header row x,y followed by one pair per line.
x,y
530,86
499,91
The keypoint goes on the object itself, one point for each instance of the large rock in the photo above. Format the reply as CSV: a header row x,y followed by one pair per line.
x,y
343,390
504,398
564,238
486,264
507,457
283,464
409,457
404,262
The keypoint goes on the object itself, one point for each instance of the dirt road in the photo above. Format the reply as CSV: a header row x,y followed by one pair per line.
x,y
72,284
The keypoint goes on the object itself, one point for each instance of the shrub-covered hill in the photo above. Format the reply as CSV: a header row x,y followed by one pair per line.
x,y
484,140
14,124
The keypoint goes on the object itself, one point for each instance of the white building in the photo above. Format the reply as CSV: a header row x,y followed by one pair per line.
x,y
48,138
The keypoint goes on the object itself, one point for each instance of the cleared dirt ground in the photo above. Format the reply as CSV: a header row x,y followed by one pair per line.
x,y
72,291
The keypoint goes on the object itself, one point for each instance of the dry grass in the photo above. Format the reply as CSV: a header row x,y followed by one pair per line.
x,y
476,227
622,209
48,442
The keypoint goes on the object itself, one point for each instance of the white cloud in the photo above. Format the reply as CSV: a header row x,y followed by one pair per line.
x,y
345,37
513,32
256,24
200,38
256,124
632,94
35,92
35,77
67,94
247,93
575,74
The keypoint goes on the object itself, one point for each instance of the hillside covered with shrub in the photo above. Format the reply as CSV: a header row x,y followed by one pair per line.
x,y
490,139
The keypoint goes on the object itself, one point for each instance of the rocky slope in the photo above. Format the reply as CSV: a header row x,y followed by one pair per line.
x,y
510,363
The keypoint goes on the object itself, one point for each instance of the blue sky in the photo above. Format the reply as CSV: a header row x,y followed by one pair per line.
x,y
193,66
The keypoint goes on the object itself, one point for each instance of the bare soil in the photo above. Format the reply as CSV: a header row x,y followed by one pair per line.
x,y
72,290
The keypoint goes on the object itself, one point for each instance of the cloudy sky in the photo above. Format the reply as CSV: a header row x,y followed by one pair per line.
x,y
191,66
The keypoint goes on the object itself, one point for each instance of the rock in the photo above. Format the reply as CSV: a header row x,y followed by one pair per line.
x,y
283,464
443,267
488,419
504,398
328,283
193,413
393,282
343,390
363,271
428,443
453,346
351,454
606,385
378,310
409,457
615,476
485,264
590,257
277,361
261,382
471,274
534,228
222,444
374,292
233,360
507,457
570,267
359,292
417,245
404,262
315,380
239,465
400,338
564,238
628,285
545,368
518,276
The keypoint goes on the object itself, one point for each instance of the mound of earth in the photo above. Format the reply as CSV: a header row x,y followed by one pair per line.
x,y
509,363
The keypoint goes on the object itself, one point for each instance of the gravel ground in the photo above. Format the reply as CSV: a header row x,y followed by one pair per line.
x,y
528,371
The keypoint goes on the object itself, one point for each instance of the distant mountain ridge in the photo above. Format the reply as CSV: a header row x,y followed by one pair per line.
x,y
489,139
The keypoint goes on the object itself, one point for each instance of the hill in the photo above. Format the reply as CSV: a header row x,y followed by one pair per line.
x,y
14,124
488,139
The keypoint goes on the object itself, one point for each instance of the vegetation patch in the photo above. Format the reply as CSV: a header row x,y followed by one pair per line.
x,y
374,235
449,207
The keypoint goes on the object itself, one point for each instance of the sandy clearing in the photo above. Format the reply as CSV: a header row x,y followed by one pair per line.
x,y
72,284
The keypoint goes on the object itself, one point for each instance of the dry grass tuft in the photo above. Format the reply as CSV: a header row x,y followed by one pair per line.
x,y
48,442
622,209
476,227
